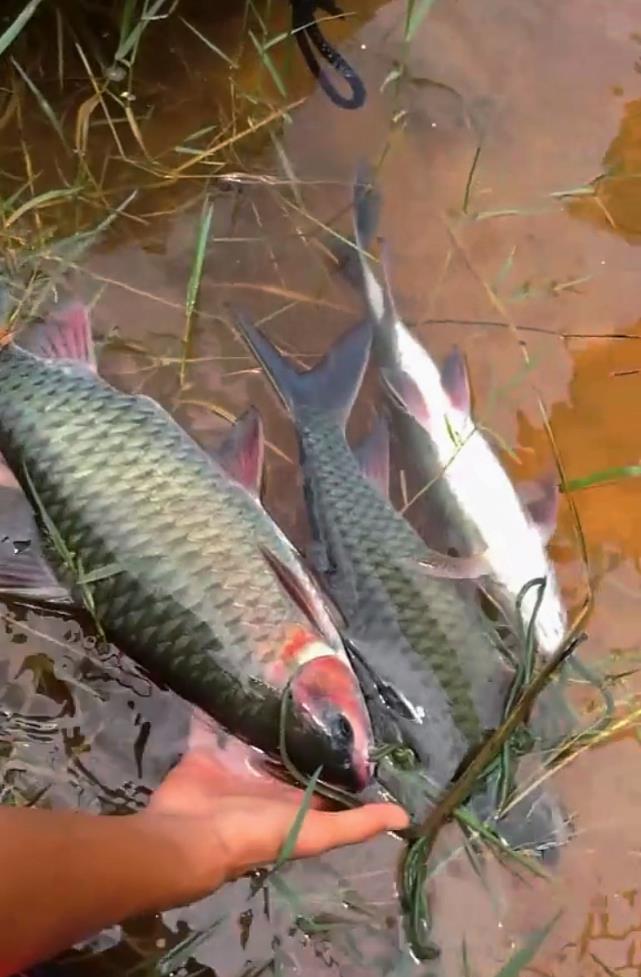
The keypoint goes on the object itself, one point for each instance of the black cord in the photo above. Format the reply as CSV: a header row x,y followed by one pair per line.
x,y
309,36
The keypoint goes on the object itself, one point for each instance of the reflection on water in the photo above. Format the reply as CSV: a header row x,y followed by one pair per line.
x,y
510,170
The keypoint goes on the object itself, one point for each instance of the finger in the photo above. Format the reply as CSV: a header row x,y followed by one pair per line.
x,y
322,831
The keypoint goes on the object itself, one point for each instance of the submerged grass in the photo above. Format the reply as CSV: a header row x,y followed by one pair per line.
x,y
193,286
498,746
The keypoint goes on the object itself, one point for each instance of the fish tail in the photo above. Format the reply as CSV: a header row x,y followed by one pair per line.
x,y
537,822
329,387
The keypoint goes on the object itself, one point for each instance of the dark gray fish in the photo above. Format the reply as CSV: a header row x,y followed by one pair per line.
x,y
425,651
173,553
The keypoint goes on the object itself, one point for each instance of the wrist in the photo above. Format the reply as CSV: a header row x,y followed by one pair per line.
x,y
189,861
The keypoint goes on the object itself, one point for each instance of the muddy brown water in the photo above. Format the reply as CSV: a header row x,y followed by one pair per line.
x,y
551,93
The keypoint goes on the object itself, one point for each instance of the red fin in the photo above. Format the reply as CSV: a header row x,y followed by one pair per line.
x,y
407,395
65,335
373,456
241,453
7,478
456,380
543,505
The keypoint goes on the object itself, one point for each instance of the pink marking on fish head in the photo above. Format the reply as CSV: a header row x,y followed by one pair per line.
x,y
327,691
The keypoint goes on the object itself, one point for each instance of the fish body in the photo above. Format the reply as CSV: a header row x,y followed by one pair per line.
x,y
426,656
430,650
497,537
189,575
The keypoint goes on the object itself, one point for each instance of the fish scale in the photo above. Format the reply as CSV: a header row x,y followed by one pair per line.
x,y
193,598
411,626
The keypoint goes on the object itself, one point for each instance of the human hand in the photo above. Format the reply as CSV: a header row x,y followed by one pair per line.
x,y
224,813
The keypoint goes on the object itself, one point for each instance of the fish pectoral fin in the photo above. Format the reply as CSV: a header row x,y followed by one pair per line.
x,y
27,576
456,380
541,501
64,335
242,452
437,564
322,614
407,395
7,478
368,676
373,456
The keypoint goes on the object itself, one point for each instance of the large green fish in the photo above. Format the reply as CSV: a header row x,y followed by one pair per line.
x,y
173,553
420,643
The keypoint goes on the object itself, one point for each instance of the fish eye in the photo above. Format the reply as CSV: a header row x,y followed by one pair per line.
x,y
340,728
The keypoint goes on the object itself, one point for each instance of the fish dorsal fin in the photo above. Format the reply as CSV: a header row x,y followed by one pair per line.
x,y
541,501
304,594
456,380
241,453
407,395
64,335
373,456
361,663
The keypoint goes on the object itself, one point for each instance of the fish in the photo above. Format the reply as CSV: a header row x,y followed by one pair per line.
x,y
428,660
500,541
173,554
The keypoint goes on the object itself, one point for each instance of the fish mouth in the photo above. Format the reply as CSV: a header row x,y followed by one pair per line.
x,y
328,693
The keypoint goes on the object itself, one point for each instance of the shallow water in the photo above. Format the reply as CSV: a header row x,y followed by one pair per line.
x,y
551,93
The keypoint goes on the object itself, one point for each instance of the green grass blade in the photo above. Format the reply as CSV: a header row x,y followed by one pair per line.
x,y
102,573
42,102
268,62
51,528
417,10
47,199
523,957
179,955
602,478
126,21
193,285
287,848
132,39
15,27
209,44
199,258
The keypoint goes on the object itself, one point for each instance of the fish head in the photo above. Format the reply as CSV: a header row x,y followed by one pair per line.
x,y
326,692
